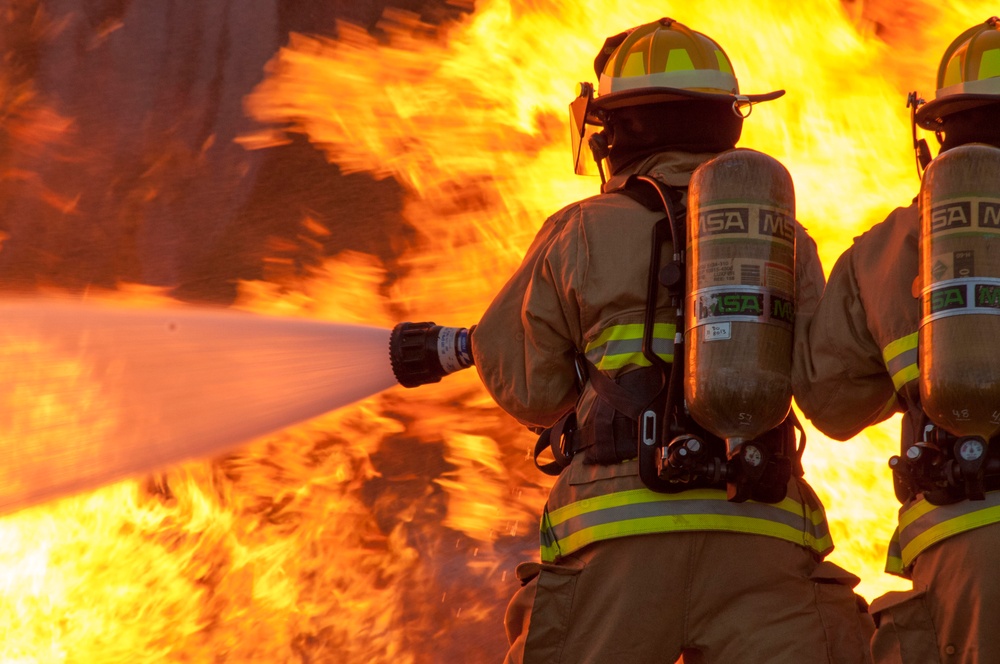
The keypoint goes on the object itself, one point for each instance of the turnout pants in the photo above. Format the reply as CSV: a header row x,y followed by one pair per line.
x,y
715,597
953,612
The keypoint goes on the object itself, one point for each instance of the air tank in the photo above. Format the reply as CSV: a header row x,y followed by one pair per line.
x,y
739,311
960,291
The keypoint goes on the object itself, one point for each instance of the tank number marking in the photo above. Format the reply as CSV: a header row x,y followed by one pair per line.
x,y
717,331
746,419
962,414
995,417
964,263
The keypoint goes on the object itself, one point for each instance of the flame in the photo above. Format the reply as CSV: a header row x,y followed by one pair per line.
x,y
386,531
842,131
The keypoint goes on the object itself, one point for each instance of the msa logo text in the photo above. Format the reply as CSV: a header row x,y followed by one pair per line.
x,y
782,309
731,304
951,216
989,215
988,296
776,225
947,298
724,221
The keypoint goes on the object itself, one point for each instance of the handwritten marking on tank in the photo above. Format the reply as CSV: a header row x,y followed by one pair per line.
x,y
718,331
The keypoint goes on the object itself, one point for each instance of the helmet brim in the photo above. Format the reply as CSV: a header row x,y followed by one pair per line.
x,y
929,115
641,96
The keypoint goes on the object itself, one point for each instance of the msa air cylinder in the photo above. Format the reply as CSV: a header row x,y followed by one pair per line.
x,y
739,311
960,291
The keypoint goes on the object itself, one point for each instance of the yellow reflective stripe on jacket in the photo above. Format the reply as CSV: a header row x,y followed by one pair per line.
x,y
922,524
894,556
900,358
620,345
641,511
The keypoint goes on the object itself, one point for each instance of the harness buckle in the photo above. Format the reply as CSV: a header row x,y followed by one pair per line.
x,y
648,430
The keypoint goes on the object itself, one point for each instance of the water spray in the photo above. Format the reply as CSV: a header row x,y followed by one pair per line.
x,y
93,393
423,353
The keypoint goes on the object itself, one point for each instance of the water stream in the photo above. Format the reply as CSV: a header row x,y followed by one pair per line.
x,y
92,393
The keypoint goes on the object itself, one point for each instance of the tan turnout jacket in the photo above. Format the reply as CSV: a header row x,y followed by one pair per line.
x,y
857,366
582,288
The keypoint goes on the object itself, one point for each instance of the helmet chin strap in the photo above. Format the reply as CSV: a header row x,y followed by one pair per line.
x,y
601,149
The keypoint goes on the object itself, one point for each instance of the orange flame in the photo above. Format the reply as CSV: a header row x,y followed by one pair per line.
x,y
386,531
479,120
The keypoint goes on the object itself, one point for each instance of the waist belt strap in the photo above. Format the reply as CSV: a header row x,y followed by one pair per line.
x,y
612,431
559,438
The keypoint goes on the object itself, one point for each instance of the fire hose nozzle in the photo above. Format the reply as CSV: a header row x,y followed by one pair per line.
x,y
422,353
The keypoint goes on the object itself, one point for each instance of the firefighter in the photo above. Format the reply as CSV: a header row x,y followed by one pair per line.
x,y
860,365
628,573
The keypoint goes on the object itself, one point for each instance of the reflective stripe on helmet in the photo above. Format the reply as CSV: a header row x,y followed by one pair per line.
x,y
704,80
621,345
989,86
641,512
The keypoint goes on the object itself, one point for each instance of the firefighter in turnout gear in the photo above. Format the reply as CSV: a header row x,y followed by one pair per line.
x,y
907,324
689,559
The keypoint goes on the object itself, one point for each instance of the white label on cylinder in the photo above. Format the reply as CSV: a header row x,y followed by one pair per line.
x,y
718,331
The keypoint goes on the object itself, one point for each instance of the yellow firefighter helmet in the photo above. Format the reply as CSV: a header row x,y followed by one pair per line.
x,y
665,61
968,76
662,61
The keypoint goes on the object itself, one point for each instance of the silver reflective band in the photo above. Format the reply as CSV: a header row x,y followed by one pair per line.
x,y
453,349
961,297
744,304
985,86
707,79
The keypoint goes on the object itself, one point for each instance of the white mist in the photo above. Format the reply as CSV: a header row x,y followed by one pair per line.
x,y
90,394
